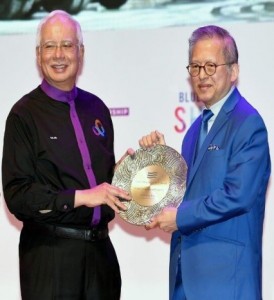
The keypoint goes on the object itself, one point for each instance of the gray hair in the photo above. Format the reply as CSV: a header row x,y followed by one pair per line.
x,y
60,13
230,50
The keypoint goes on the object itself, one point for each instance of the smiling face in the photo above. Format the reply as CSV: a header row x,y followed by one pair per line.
x,y
59,54
211,89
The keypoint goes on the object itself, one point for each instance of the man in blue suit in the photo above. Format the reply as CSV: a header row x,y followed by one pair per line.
x,y
216,246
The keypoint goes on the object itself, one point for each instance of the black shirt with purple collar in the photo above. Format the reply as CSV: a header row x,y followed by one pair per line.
x,y
42,163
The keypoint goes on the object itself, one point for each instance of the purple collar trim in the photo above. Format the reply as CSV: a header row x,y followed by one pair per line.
x,y
57,94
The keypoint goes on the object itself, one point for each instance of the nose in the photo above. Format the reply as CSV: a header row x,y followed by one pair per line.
x,y
59,52
202,73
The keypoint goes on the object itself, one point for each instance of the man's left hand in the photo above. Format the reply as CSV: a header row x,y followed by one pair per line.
x,y
166,220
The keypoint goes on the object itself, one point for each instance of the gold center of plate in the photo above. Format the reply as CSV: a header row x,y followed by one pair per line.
x,y
150,185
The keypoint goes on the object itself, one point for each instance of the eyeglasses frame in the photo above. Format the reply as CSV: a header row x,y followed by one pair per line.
x,y
204,67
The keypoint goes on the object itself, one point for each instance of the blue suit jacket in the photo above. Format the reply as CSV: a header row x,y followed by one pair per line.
x,y
220,220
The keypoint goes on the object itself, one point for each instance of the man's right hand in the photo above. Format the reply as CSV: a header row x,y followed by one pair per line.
x,y
104,193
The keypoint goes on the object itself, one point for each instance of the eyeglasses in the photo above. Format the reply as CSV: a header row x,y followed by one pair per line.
x,y
209,68
65,46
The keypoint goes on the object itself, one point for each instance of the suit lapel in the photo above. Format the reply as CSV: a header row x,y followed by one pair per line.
x,y
221,120
194,141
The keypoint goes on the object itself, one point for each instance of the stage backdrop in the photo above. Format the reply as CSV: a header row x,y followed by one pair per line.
x,y
141,76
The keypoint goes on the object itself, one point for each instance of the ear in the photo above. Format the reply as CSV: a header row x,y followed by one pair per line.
x,y
234,72
82,53
81,59
38,56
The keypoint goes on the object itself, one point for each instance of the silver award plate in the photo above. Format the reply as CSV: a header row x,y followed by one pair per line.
x,y
155,178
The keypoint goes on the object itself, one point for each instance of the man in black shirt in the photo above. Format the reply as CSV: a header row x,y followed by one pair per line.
x,y
58,162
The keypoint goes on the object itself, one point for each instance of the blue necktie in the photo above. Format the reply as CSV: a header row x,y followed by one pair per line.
x,y
207,114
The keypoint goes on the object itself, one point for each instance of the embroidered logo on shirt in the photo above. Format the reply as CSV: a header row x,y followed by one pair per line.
x,y
53,137
98,128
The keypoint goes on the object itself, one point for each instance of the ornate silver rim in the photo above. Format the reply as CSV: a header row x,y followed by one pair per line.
x,y
160,155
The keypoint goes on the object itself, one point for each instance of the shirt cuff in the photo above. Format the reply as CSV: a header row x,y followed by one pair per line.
x,y
65,201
